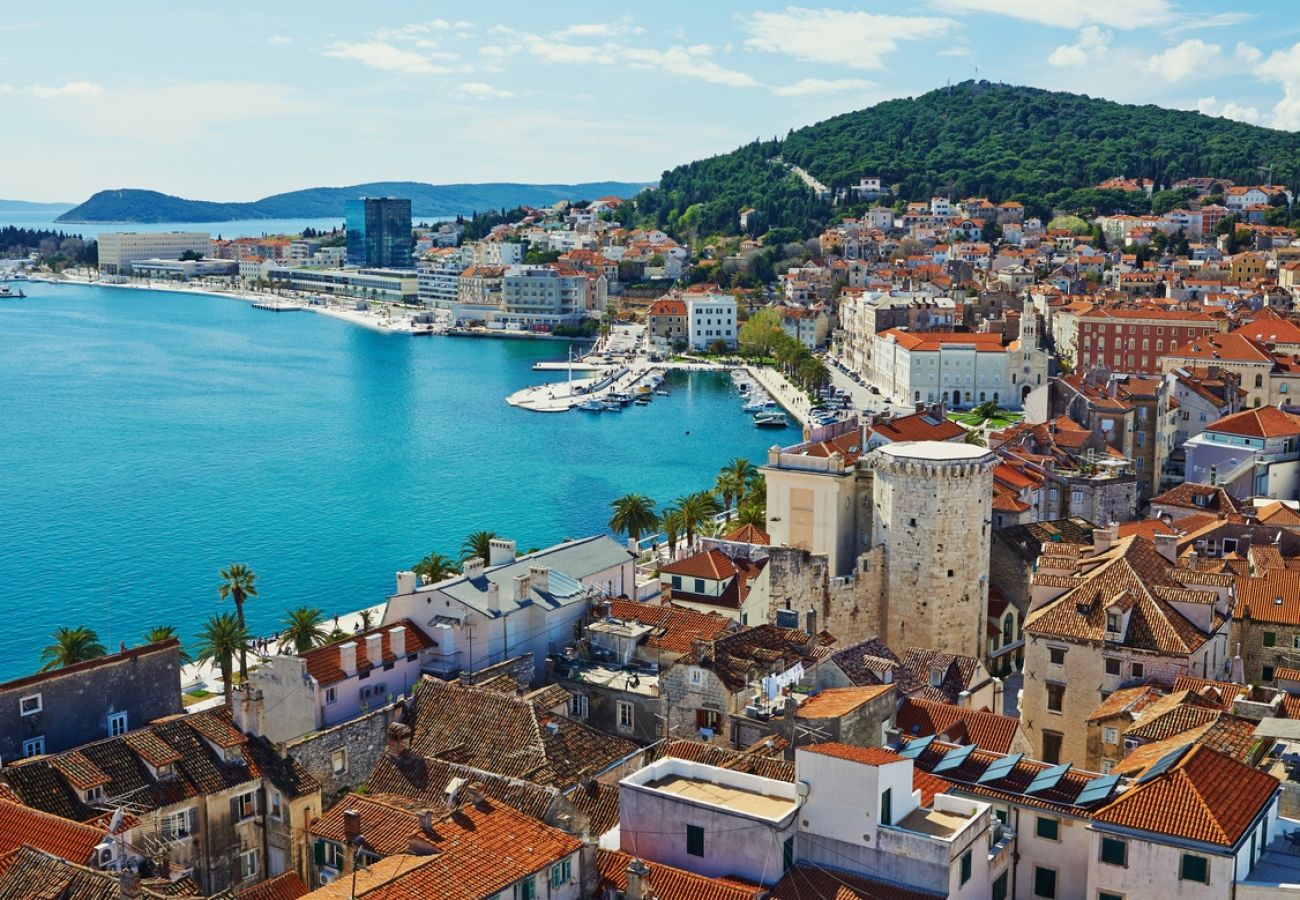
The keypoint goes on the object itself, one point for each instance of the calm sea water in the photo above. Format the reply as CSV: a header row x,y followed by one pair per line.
x,y
43,219
148,438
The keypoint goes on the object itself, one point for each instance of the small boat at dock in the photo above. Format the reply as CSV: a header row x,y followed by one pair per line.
x,y
611,406
771,420
8,293
591,406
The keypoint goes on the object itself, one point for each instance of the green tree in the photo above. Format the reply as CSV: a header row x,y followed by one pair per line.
x,y
743,469
160,633
238,583
367,619
751,514
479,544
634,514
71,645
729,487
760,332
673,523
813,374
434,568
220,639
303,628
695,510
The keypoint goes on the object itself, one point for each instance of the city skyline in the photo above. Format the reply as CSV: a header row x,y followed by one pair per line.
x,y
558,95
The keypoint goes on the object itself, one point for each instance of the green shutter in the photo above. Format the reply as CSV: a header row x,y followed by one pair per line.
x,y
1048,829
965,867
1270,639
318,852
1044,882
1114,852
1195,868
787,855
694,840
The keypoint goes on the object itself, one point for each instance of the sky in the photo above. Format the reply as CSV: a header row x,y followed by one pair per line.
x,y
237,100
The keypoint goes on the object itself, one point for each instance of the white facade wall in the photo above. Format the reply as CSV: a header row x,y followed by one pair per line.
x,y
960,375
118,249
711,318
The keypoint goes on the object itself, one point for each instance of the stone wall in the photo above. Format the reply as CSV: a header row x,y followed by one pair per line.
x,y
1248,641
851,609
363,741
1009,572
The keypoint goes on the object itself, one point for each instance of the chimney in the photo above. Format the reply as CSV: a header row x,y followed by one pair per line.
x,y
426,822
375,649
638,881
1102,538
351,826
539,577
397,641
399,739
1167,546
472,567
503,552
348,657
521,587
128,885
405,582
493,597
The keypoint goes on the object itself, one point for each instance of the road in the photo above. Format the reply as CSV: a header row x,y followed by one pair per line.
x,y
863,399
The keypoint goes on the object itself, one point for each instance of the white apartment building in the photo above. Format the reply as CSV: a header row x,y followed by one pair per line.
x,y
709,318
439,280
119,249
541,295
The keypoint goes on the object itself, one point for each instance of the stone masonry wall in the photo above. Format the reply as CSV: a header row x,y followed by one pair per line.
x,y
850,608
363,739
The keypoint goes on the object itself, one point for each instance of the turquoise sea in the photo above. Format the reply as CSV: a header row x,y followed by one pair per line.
x,y
149,438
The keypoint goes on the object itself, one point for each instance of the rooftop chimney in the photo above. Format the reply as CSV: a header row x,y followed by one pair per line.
x,y
472,566
521,587
1167,546
348,657
351,826
503,551
399,739
493,597
375,649
540,577
638,882
397,640
128,885
405,582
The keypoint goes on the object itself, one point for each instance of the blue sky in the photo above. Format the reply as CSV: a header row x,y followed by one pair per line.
x,y
237,100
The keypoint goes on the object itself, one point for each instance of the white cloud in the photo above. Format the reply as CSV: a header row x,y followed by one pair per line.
x,y
1230,110
689,61
483,89
279,40
1197,22
822,86
1122,14
493,50
1283,66
856,39
598,30
957,51
387,58
1191,57
1092,43
1246,53
69,89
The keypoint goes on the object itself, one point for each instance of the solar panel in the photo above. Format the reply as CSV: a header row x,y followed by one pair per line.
x,y
954,758
1047,779
915,748
1000,769
1163,763
1097,789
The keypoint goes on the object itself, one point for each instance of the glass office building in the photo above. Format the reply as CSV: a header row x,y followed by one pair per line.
x,y
379,232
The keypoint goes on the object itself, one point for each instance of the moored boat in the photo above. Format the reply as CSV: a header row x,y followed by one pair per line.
x,y
771,420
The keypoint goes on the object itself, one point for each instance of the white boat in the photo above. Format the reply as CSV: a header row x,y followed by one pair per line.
x,y
591,406
758,404
662,392
771,420
622,397
8,293
611,406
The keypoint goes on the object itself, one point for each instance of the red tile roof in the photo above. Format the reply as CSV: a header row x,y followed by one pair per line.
x,y
1272,595
922,718
1264,422
927,341
323,662
749,534
670,883
282,887
20,825
867,756
675,627
923,426
711,564
1205,796
810,882
832,703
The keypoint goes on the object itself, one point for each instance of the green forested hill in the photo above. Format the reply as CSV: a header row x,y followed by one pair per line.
x,y
1043,148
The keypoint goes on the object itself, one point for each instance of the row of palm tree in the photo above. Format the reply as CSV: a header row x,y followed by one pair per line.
x,y
437,566
738,487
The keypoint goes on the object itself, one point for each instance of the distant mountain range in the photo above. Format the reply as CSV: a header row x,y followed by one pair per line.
x,y
427,200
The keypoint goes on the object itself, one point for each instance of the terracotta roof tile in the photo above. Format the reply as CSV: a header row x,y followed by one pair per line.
x,y
675,627
832,703
324,665
867,756
65,839
1264,422
670,883
749,534
922,718
922,426
809,882
1272,595
287,886
765,649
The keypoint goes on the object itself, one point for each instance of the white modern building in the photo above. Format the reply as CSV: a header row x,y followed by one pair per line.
x,y
185,269
119,249
391,285
709,318
542,295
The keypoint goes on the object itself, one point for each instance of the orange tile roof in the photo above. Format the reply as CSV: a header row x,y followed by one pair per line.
x,y
323,662
867,756
923,426
832,703
749,534
922,718
1264,422
21,825
669,883
675,627
928,341
711,564
1272,595
1206,796
282,887
806,881
1222,692
1229,347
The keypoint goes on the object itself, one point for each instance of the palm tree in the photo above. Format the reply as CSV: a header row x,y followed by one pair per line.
x,y
730,486
757,492
160,633
633,514
752,514
974,438
367,619
478,544
434,568
71,645
221,637
304,628
239,582
814,374
695,510
742,469
673,524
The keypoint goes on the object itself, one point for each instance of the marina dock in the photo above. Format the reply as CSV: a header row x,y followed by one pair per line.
x,y
611,389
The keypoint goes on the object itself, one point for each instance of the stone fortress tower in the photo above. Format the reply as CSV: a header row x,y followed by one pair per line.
x,y
932,513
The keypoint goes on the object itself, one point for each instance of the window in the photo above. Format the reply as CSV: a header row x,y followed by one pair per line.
x,y
277,805
248,864
339,761
1138,670
787,854
694,840
1114,625
625,717
94,795
708,718
561,873
677,582
244,806
699,585
697,675
1107,765
1044,882
1114,852
965,867
1194,868
1000,887
1110,735
1112,666
178,825
1108,895
1270,638
330,855
34,746
29,705
1052,746
117,724
1266,674
1047,829
578,706
331,696
1055,697
887,807
1056,656
1295,642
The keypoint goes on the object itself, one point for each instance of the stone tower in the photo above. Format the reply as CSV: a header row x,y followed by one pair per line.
x,y
1028,328
932,511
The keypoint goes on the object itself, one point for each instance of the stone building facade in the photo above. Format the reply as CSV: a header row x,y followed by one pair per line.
x,y
342,757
